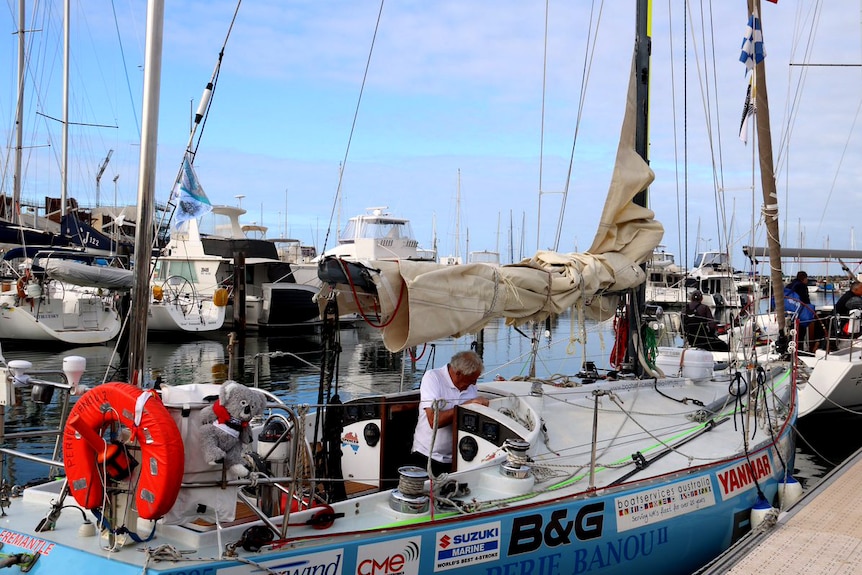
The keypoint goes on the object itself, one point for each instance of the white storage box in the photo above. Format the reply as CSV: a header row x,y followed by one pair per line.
x,y
692,363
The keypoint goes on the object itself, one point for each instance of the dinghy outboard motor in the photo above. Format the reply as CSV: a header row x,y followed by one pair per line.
x,y
273,447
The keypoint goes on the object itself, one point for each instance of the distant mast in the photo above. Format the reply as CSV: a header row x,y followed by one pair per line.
x,y
458,219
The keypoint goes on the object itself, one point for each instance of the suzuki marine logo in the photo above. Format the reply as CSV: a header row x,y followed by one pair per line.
x,y
457,548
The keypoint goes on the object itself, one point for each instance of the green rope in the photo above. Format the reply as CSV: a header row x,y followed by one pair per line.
x,y
651,345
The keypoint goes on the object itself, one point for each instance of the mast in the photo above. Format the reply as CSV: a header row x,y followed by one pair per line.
x,y
19,120
767,179
643,48
146,190
637,298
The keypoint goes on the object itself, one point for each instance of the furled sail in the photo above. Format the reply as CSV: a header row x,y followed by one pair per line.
x,y
89,275
423,301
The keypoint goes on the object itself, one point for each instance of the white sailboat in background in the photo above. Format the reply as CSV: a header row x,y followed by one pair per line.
x,y
63,222
61,296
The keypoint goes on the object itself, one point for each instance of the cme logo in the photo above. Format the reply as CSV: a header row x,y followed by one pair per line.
x,y
390,564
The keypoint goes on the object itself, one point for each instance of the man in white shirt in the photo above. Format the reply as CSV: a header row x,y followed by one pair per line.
x,y
455,383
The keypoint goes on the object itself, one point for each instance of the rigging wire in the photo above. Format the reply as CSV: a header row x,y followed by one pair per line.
x,y
125,68
200,120
840,162
353,126
679,228
542,124
793,98
589,53
713,133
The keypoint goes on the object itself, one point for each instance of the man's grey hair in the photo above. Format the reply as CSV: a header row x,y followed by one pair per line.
x,y
467,363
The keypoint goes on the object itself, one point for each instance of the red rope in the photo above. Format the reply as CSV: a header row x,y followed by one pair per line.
x,y
415,358
621,341
377,311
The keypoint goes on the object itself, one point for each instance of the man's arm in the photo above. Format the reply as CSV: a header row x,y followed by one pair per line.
x,y
704,312
447,416
841,304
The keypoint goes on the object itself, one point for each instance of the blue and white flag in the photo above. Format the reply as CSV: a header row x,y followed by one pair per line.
x,y
752,44
191,200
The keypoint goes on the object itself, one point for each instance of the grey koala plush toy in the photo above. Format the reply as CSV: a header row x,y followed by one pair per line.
x,y
226,430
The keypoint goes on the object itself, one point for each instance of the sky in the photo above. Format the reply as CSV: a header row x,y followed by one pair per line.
x,y
436,109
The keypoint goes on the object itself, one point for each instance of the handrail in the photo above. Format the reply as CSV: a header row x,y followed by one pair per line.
x,y
25,381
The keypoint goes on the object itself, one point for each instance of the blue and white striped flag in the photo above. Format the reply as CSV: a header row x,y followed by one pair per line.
x,y
752,44
191,200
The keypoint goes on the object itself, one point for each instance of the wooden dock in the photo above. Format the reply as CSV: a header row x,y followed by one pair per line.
x,y
822,533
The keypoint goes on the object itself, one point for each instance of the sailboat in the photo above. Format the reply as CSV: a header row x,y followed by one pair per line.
x,y
61,296
615,473
62,282
187,293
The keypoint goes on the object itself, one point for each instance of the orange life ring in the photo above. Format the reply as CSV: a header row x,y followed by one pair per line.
x,y
87,456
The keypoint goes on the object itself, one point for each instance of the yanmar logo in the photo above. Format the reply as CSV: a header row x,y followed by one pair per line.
x,y
742,477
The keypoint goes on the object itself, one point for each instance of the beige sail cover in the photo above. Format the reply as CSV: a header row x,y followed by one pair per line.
x,y
424,301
